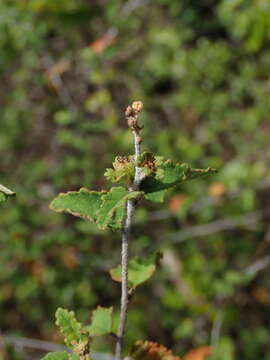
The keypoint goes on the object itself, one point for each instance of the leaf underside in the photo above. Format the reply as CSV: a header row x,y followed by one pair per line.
x,y
140,269
168,175
101,322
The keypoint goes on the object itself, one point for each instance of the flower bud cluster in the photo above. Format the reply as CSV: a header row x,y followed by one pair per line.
x,y
132,115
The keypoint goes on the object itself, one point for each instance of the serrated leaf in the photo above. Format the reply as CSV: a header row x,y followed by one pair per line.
x,y
113,208
70,327
167,175
58,355
149,350
83,203
123,170
140,269
5,193
101,322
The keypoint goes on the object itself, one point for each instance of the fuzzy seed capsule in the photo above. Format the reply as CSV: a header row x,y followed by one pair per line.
x,y
137,105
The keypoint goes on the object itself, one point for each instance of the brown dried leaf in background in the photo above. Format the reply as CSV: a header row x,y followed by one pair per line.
x,y
103,42
38,270
262,295
217,189
176,202
200,353
53,73
6,292
60,67
69,257
149,350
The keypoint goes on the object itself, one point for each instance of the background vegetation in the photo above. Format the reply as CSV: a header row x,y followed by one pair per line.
x,y
68,70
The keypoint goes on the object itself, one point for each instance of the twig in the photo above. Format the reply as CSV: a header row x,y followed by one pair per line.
x,y
125,12
215,226
3,353
131,5
258,265
46,346
132,114
173,266
58,84
41,345
215,333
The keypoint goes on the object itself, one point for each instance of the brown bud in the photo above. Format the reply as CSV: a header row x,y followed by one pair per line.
x,y
137,105
129,111
132,122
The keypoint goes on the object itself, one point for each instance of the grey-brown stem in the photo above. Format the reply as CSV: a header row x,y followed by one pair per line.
x,y
125,243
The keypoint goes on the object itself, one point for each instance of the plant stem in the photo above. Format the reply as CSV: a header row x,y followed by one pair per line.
x,y
124,283
124,255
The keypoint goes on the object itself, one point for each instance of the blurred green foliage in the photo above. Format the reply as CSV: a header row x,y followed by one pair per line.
x,y
69,68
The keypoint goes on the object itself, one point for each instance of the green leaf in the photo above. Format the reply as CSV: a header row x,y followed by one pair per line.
x,y
59,355
101,322
167,175
71,329
140,269
83,203
5,193
123,170
75,357
113,209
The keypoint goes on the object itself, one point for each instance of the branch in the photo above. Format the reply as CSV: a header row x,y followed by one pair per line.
x,y
132,115
58,83
215,226
131,5
216,329
46,346
257,266
3,353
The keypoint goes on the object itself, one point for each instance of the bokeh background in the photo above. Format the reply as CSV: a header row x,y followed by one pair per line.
x,y
202,68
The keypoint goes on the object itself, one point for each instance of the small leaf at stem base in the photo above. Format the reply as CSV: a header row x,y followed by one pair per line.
x,y
101,322
139,270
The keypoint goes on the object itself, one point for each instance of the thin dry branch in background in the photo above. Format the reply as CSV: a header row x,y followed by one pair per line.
x,y
215,226
22,343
